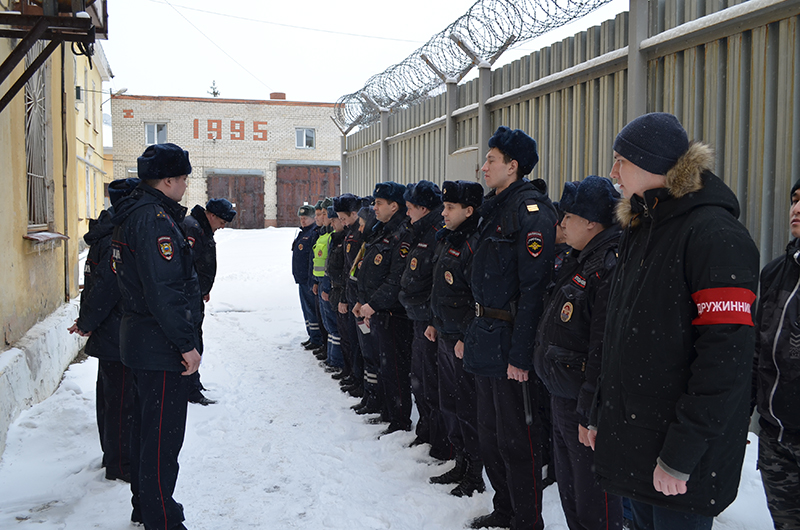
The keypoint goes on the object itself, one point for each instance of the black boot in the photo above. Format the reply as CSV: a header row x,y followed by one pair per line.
x,y
455,475
491,520
472,481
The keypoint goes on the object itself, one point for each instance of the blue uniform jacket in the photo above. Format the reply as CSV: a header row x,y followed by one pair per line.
x,y
204,249
301,254
160,293
417,278
511,269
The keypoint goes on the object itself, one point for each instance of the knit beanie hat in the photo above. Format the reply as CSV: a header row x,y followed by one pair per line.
x,y
516,145
595,200
424,193
463,192
654,142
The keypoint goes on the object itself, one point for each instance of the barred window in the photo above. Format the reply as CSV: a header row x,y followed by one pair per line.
x,y
36,144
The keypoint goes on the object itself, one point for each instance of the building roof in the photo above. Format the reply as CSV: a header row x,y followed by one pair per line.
x,y
278,102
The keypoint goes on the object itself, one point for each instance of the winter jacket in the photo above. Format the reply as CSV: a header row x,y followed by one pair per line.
x,y
417,278
101,311
162,305
334,269
204,249
511,269
384,260
778,361
452,304
301,254
569,341
679,337
353,242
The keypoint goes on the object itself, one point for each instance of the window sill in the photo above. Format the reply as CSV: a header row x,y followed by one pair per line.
x,y
43,241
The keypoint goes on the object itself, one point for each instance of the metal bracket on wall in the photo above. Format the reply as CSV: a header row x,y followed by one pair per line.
x,y
32,28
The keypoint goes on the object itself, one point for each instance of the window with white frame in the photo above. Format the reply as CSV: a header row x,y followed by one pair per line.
x,y
305,138
155,133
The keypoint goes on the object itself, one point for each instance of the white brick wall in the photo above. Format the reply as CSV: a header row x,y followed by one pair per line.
x,y
130,113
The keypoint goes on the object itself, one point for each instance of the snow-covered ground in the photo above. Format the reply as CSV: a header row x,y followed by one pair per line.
x,y
280,450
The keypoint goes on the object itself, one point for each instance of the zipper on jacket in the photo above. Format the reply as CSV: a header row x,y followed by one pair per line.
x,y
774,353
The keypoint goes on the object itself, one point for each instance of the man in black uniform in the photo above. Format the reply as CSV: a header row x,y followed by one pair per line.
x,y
453,309
199,228
99,319
512,267
159,342
569,345
378,287
301,270
424,204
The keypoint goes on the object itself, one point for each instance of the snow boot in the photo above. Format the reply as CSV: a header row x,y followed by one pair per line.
x,y
455,475
491,520
472,481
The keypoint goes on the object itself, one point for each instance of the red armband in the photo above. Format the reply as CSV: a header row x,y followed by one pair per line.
x,y
724,305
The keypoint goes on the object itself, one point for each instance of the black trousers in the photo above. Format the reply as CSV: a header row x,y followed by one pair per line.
x,y
372,365
159,424
458,400
586,505
425,387
394,335
114,416
511,452
351,349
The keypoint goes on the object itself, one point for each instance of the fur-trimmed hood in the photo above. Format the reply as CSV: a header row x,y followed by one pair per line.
x,y
687,177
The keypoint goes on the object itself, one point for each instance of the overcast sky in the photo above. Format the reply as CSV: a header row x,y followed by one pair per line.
x,y
254,47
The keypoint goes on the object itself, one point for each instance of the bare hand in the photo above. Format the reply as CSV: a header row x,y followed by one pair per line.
x,y
191,361
430,333
666,483
343,308
591,436
75,329
583,436
357,310
325,296
517,374
315,289
206,298
459,349
367,311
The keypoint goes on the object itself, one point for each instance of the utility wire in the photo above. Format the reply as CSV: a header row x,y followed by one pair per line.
x,y
217,45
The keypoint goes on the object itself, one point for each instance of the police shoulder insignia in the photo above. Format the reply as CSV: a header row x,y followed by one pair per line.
x,y
300,246
448,277
579,280
162,214
190,239
535,243
404,249
413,264
531,206
566,312
378,259
165,247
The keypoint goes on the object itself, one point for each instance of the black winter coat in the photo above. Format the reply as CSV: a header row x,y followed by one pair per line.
x,y
569,341
677,357
162,306
204,249
511,269
384,260
778,362
334,269
417,278
353,242
101,311
452,304
302,248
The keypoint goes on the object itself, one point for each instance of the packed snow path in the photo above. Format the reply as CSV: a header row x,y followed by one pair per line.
x,y
281,449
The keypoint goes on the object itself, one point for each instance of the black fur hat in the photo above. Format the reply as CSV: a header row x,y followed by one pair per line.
x,y
463,192
518,146
424,193
161,161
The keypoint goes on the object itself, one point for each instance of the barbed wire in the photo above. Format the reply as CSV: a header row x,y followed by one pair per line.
x,y
488,28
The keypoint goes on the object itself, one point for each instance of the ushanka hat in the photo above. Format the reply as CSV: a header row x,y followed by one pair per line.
x,y
654,142
516,145
161,161
305,210
463,192
391,191
222,208
347,202
121,188
423,193
595,200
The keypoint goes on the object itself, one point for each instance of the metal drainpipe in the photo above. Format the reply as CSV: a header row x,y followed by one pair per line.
x,y
64,172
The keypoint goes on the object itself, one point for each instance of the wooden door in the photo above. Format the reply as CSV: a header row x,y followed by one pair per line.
x,y
246,192
299,184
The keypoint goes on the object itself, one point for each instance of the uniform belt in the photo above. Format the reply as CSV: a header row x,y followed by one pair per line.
x,y
488,312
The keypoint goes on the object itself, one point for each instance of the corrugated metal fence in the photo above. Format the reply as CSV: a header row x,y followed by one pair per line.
x,y
729,70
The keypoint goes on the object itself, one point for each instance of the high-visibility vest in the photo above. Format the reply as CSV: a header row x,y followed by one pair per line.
x,y
321,254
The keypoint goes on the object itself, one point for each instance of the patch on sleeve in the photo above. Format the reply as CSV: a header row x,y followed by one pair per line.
x,y
190,239
348,248
724,305
378,259
531,206
405,247
579,280
300,246
113,265
535,243
413,264
448,277
165,247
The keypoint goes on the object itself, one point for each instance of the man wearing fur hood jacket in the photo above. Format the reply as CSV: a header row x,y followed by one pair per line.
x,y
672,408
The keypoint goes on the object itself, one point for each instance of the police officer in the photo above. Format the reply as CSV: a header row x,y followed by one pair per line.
x,y
159,342
569,346
424,204
199,228
301,257
453,309
384,260
512,267
334,359
99,319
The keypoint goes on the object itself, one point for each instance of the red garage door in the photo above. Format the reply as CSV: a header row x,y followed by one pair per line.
x,y
299,184
246,192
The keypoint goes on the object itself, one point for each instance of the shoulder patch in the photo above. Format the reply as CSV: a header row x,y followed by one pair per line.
x,y
535,243
165,247
190,239
405,247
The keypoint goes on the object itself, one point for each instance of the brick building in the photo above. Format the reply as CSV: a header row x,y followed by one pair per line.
x,y
265,156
